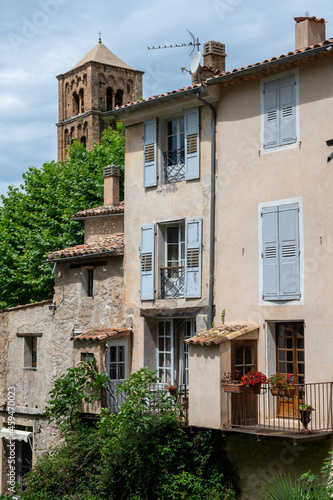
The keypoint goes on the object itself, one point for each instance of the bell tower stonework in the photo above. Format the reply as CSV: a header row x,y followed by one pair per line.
x,y
99,83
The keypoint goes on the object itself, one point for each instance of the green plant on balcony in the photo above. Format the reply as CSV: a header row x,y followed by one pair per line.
x,y
281,385
305,415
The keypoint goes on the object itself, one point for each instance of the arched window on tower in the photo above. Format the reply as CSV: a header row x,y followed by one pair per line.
x,y
109,93
119,98
67,140
84,141
75,104
81,101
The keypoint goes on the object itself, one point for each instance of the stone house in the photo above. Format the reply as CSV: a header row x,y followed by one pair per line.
x,y
85,318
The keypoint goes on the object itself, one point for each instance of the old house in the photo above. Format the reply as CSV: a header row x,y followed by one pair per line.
x,y
85,319
228,209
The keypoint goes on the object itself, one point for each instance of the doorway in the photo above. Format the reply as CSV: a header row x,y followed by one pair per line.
x,y
117,369
244,405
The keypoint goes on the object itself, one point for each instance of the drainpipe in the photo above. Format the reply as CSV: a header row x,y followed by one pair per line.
x,y
212,211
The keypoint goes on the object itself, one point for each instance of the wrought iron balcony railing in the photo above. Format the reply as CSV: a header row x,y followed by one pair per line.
x,y
174,165
281,414
172,282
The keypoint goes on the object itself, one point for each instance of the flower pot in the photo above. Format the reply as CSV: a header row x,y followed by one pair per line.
x,y
173,390
233,387
255,389
289,392
305,417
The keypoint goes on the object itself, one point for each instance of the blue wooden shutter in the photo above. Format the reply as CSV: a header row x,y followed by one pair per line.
x,y
193,230
270,254
149,153
287,110
289,252
191,118
147,262
271,114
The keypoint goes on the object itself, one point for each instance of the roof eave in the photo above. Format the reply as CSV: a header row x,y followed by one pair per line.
x,y
87,256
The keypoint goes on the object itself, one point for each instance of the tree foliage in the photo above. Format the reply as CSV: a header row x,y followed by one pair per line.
x,y
36,219
136,454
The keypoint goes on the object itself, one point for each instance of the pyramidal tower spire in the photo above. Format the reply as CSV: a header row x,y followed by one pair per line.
x,y
98,83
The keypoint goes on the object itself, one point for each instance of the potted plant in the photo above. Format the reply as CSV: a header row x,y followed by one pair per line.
x,y
232,385
281,385
172,389
305,414
253,380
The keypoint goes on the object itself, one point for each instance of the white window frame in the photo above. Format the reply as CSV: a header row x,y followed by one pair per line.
x,y
295,144
287,201
172,351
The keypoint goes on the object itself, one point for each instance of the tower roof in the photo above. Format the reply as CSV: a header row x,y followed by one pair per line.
x,y
101,54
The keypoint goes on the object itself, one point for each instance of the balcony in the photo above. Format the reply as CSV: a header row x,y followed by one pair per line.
x,y
174,165
172,282
179,399
279,416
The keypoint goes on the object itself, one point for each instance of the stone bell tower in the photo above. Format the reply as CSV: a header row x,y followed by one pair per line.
x,y
100,82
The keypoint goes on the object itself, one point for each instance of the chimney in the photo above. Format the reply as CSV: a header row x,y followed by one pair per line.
x,y
309,31
214,59
111,175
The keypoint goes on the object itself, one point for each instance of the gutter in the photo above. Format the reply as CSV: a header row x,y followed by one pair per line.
x,y
212,211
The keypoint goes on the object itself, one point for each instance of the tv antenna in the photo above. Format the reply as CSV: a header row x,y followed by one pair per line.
x,y
195,43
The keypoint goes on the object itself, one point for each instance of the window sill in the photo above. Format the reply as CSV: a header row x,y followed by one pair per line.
x,y
274,149
30,368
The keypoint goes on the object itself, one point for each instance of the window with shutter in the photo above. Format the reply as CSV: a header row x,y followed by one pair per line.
x,y
280,97
281,252
147,262
181,155
149,153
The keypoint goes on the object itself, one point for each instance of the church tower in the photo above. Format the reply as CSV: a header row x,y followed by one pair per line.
x,y
100,82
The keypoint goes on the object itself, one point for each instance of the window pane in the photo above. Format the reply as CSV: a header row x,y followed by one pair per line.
x,y
121,353
248,355
282,367
239,355
281,342
282,356
161,344
172,234
113,354
121,371
290,368
168,344
289,355
300,343
289,343
113,372
300,355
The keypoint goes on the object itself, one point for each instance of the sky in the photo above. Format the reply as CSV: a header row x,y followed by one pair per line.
x,y
40,39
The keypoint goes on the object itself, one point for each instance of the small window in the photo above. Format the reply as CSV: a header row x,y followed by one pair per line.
x,y
86,356
30,352
88,282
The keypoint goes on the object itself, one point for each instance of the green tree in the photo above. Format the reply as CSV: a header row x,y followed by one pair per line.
x,y
36,219
140,453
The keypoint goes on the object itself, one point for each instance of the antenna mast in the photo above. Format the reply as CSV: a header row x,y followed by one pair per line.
x,y
195,43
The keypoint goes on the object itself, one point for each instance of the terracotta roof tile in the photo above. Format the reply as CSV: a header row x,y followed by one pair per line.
x,y
105,210
100,333
113,245
233,71
222,333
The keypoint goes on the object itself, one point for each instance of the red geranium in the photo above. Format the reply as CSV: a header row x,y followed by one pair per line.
x,y
254,377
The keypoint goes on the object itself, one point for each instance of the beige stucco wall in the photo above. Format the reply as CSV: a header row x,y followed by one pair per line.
x,y
245,178
204,368
166,202
98,228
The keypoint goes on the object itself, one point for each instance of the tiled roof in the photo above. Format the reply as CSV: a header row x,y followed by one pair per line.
x,y
101,54
105,210
113,245
230,74
100,333
222,333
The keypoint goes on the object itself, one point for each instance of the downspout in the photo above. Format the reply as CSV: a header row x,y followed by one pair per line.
x,y
212,211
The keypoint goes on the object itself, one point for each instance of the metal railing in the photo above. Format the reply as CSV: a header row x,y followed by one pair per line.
x,y
179,399
172,282
281,413
174,165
